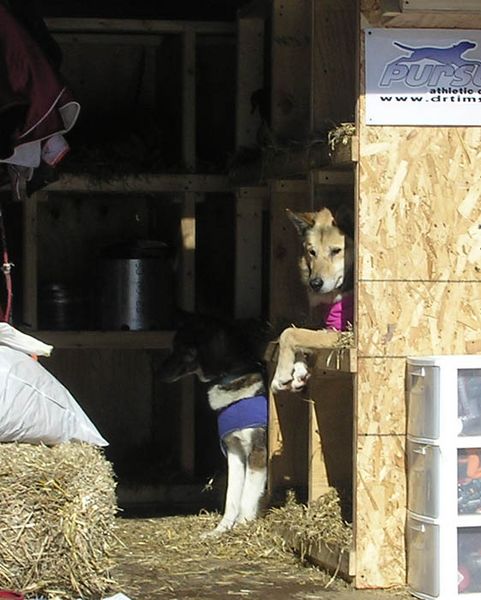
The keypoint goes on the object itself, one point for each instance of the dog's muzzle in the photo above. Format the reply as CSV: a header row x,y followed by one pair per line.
x,y
316,284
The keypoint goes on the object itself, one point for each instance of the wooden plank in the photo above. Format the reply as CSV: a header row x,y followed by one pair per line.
x,y
333,74
288,301
333,177
250,77
114,387
424,221
461,6
380,511
111,39
128,340
148,183
290,66
317,475
248,256
137,25
331,436
287,445
417,317
30,259
188,99
333,559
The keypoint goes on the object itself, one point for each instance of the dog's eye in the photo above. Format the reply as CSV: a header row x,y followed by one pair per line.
x,y
312,251
335,251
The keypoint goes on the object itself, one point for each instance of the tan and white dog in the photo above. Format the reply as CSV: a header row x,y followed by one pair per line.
x,y
326,269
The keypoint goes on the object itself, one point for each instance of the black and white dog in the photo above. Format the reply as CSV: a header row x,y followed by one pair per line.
x,y
221,355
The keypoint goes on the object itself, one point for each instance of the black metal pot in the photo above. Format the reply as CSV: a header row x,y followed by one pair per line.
x,y
136,287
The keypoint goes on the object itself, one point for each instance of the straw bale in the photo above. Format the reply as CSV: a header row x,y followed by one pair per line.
x,y
57,520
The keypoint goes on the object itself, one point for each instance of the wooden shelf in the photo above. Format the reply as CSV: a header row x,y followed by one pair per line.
x,y
119,340
153,26
147,183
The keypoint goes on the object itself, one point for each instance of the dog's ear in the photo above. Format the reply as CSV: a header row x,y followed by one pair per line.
x,y
344,220
301,221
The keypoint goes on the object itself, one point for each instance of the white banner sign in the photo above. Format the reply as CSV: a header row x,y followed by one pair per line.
x,y
423,77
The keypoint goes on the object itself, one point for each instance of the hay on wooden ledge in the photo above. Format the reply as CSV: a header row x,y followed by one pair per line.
x,y
57,520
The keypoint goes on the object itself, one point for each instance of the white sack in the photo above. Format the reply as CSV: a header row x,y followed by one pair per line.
x,y
11,337
35,407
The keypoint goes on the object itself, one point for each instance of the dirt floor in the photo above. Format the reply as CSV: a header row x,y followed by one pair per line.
x,y
166,559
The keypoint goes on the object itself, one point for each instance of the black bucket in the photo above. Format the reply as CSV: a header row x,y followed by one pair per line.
x,y
136,287
62,306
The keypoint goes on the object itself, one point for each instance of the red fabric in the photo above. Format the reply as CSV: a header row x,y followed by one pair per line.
x,y
27,80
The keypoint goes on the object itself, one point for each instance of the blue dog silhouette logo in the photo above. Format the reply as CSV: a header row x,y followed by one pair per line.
x,y
432,65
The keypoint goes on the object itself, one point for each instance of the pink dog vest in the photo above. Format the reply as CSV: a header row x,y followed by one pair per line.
x,y
338,315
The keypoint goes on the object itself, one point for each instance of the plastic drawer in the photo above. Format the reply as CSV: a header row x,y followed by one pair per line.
x,y
424,471
469,560
423,556
469,401
423,400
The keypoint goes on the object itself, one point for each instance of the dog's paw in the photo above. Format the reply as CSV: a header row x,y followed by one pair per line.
x,y
295,382
300,376
221,528
278,385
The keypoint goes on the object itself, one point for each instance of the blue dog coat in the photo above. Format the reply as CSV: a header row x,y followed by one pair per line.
x,y
245,413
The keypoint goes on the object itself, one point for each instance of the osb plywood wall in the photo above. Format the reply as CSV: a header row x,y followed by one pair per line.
x,y
419,293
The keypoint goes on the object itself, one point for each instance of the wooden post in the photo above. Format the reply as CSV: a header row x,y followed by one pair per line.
x,y
188,99
248,256
250,77
187,302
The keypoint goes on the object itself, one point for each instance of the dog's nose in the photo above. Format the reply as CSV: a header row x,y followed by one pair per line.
x,y
316,283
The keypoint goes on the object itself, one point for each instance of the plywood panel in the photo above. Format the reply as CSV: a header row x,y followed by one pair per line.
x,y
381,407
419,204
417,317
380,511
